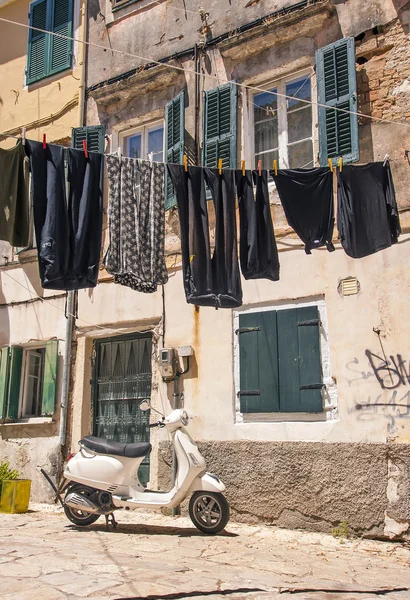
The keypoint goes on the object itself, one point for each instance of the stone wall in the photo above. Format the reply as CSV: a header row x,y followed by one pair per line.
x,y
311,486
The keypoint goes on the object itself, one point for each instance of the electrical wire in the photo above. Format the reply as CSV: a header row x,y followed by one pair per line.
x,y
154,330
209,76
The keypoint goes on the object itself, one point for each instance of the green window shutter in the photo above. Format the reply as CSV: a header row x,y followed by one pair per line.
x,y
50,379
4,379
336,82
61,21
300,371
94,136
174,141
37,54
14,385
258,352
220,126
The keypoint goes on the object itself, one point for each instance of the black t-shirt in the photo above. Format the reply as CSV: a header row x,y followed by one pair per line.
x,y
367,219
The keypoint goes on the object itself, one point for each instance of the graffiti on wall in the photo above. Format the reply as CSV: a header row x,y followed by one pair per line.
x,y
393,377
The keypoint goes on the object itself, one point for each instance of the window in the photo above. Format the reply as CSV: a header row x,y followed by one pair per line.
x,y
279,360
219,126
283,128
174,141
146,141
94,135
336,83
28,381
49,54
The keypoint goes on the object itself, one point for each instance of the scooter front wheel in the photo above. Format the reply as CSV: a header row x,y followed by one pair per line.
x,y
209,511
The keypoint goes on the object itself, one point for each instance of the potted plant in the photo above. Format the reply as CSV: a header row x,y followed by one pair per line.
x,y
14,492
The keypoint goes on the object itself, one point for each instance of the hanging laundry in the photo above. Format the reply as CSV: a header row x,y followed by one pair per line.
x,y
258,252
137,223
208,280
367,215
68,231
307,199
14,196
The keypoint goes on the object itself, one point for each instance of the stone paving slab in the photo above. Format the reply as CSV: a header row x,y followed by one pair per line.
x,y
153,557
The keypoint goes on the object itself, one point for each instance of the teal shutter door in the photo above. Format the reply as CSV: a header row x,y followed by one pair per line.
x,y
258,351
220,126
14,385
37,42
4,379
336,82
174,141
61,20
50,379
93,135
300,372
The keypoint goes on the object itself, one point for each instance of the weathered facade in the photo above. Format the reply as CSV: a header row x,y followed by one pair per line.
x,y
42,91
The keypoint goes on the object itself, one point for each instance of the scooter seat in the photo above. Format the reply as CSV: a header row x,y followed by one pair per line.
x,y
104,446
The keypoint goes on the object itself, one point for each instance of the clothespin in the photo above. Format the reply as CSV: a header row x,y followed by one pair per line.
x,y
275,167
185,163
85,148
340,164
44,141
220,166
23,136
259,167
243,167
119,152
151,157
330,163
385,160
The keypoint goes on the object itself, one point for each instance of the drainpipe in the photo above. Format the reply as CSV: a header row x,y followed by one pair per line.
x,y
176,510
69,328
197,61
72,295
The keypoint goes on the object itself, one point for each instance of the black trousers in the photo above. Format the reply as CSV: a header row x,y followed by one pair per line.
x,y
258,252
209,280
68,230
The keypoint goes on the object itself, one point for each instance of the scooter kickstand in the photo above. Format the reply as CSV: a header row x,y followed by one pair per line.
x,y
110,521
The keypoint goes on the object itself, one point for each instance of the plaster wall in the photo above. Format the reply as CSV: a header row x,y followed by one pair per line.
x,y
50,106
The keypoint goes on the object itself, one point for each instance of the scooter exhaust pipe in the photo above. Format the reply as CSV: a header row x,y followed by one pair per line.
x,y
80,502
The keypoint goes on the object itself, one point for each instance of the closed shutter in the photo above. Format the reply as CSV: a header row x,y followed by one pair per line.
x,y
14,384
300,371
50,379
93,135
174,142
37,42
220,125
61,20
259,377
336,82
4,380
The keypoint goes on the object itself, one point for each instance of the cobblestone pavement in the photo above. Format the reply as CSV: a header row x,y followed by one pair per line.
x,y
153,557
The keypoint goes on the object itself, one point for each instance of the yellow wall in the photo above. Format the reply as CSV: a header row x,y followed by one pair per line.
x,y
54,100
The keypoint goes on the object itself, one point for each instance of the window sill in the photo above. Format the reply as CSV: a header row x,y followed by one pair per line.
x,y
27,255
28,421
256,418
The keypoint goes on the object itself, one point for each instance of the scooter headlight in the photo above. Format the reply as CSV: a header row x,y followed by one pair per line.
x,y
184,418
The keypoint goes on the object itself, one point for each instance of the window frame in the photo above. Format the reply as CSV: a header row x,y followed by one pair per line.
x,y
144,130
329,393
280,85
24,381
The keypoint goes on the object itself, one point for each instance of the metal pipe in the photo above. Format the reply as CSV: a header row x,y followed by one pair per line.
x,y
71,296
176,510
197,62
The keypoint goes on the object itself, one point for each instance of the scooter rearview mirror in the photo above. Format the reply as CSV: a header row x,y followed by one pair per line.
x,y
145,405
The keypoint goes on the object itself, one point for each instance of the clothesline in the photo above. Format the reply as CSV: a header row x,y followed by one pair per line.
x,y
208,75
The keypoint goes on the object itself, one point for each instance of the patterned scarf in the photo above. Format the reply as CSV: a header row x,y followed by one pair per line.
x,y
137,223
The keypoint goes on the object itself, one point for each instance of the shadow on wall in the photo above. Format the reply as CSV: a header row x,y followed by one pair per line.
x,y
5,252
403,12
14,39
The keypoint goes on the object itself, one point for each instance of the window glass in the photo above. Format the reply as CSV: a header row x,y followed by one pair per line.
x,y
156,143
299,123
134,149
266,128
33,383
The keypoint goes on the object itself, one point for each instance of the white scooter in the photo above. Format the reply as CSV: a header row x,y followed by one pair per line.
x,y
103,477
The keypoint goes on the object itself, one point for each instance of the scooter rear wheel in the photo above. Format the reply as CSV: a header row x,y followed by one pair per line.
x,y
209,511
77,516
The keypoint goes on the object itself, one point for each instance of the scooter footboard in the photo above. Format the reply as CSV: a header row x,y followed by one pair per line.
x,y
207,483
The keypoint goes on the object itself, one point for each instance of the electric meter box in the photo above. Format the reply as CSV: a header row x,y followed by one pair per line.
x,y
167,363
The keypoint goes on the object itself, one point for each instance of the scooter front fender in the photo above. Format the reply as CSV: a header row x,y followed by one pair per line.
x,y
207,483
